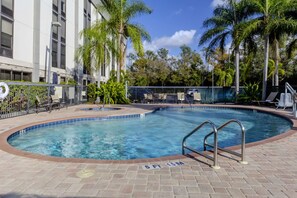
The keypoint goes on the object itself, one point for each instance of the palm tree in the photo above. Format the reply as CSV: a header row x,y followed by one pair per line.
x,y
267,19
119,25
221,27
94,53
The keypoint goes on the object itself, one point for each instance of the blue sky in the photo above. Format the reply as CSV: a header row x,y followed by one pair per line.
x,y
176,22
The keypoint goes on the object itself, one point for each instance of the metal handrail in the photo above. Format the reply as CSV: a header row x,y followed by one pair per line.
x,y
242,154
290,88
215,152
293,92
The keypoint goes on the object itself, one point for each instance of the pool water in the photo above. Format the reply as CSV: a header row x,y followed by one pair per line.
x,y
155,135
99,109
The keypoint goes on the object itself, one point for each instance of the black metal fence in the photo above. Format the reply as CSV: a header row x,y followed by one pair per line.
x,y
23,98
208,94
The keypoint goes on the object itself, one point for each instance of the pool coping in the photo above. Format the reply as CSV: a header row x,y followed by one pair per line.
x,y
5,146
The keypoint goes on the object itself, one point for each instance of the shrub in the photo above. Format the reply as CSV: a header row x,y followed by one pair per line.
x,y
92,92
113,93
251,93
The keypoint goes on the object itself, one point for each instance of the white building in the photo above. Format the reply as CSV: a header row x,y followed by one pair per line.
x,y
26,40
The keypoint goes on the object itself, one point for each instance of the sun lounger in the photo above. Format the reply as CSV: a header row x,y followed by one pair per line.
x,y
42,104
55,101
269,100
180,97
196,97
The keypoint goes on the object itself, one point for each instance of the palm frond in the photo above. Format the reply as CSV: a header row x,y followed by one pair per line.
x,y
208,35
135,9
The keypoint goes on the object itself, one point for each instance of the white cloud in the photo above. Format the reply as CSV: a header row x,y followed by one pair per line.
x,y
182,37
216,3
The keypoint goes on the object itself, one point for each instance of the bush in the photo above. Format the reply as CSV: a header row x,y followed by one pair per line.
x,y
113,93
251,93
92,92
12,102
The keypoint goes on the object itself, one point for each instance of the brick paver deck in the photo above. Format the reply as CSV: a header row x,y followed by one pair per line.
x,y
271,172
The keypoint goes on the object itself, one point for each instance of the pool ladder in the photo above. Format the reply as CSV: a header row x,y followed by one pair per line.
x,y
215,147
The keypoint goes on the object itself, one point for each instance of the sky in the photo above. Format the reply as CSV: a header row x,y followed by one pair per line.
x,y
174,23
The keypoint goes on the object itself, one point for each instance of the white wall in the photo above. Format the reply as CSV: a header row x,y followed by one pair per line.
x,y
23,31
45,28
70,29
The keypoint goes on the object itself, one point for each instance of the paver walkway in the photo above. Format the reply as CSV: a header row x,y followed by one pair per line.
x,y
271,172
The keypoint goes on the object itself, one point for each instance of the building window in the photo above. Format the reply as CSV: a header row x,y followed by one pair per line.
x,y
87,24
59,34
15,75
6,28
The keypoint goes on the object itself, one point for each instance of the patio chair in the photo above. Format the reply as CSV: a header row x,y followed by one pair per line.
x,y
180,97
43,104
269,100
196,97
161,97
55,101
148,98
285,101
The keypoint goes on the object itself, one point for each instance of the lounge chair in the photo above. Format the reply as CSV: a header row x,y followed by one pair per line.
x,y
43,104
161,97
55,101
196,97
285,101
180,97
269,100
148,98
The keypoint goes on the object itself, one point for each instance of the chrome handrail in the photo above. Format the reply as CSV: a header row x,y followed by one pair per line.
x,y
242,154
215,152
293,94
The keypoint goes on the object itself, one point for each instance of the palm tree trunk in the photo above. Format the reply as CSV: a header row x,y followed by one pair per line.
x,y
99,78
119,59
265,70
276,61
237,70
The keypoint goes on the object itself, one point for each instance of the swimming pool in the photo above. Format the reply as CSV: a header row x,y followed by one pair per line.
x,y
100,109
155,135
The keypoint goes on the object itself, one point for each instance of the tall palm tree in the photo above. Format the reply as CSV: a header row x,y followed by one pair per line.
x,y
94,53
119,25
221,27
266,19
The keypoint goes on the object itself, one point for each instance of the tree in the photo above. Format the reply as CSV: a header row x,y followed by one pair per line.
x,y
223,26
93,54
119,25
266,18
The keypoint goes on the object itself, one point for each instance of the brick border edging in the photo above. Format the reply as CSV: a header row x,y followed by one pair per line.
x,y
5,146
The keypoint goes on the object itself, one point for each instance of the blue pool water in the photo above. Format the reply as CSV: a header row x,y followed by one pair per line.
x,y
155,135
100,109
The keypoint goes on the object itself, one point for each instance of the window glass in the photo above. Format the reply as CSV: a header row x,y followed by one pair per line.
x,y
54,54
6,41
26,76
8,4
63,61
16,76
63,28
6,27
5,75
55,5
